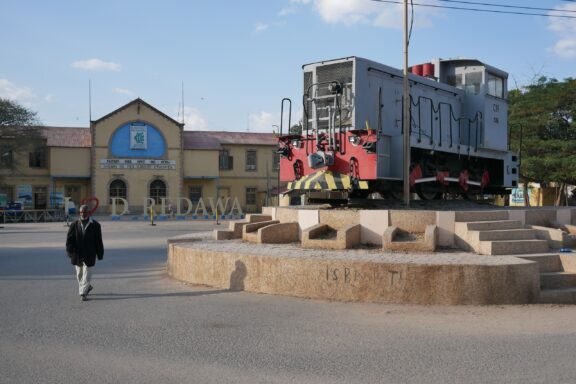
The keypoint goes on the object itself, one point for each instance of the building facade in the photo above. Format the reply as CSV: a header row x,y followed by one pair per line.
x,y
137,157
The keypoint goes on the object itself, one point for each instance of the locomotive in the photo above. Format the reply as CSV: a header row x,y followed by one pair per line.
x,y
351,142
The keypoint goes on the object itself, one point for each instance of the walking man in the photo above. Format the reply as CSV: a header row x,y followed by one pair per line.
x,y
83,245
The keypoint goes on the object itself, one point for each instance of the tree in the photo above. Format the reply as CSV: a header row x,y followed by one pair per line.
x,y
542,119
13,114
18,132
296,129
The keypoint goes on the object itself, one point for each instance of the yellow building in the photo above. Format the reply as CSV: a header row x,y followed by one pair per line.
x,y
136,157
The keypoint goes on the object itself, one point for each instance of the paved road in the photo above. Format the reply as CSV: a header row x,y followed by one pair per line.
x,y
142,327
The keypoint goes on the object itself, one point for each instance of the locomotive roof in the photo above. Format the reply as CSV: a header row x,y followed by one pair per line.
x,y
459,60
468,61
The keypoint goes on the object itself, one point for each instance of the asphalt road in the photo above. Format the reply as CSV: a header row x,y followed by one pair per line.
x,y
140,326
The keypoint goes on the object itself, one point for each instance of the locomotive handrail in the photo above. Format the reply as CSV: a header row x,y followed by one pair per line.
x,y
453,117
282,114
379,120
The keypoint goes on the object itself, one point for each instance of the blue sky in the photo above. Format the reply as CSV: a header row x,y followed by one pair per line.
x,y
238,59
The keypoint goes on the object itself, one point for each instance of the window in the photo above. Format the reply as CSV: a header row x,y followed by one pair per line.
x,y
251,160
275,161
473,80
225,161
117,189
40,197
7,190
495,87
195,193
37,158
157,190
250,196
5,156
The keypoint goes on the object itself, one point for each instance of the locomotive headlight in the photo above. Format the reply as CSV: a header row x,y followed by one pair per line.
x,y
296,143
354,140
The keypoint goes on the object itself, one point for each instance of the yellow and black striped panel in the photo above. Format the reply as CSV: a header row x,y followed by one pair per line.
x,y
326,180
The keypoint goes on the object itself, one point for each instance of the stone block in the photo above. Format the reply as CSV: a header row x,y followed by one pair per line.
x,y
412,220
269,211
307,218
222,234
445,221
555,237
373,224
395,239
339,219
323,236
279,233
287,214
564,216
541,217
249,231
517,215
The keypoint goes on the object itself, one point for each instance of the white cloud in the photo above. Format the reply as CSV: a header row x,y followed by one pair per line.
x,y
350,12
262,121
565,48
13,91
123,91
286,11
261,27
193,119
565,28
96,65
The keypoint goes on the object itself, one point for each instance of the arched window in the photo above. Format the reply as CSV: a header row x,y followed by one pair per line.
x,y
117,189
157,190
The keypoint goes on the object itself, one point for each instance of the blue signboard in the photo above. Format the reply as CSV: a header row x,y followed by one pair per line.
x,y
137,139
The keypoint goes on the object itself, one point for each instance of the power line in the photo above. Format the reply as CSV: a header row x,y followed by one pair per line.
x,y
478,9
507,6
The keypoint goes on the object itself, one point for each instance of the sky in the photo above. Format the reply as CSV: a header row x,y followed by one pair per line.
x,y
232,62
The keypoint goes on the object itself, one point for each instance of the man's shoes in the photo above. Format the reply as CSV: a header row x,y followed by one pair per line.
x,y
84,297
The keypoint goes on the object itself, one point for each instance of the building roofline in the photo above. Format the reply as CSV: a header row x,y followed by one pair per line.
x,y
137,101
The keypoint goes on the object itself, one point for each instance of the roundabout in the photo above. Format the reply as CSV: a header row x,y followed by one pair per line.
x,y
481,256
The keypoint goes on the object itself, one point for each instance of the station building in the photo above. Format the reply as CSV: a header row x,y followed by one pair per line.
x,y
136,153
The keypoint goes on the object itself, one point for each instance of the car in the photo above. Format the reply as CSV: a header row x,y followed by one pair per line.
x,y
14,206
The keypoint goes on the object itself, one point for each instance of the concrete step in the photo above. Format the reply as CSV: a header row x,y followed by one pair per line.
x,y
466,216
557,280
547,262
257,217
493,225
503,234
558,296
513,247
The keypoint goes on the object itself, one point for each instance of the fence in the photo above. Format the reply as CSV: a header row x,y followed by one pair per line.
x,y
32,216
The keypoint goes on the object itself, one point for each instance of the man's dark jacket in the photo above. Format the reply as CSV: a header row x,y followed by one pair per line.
x,y
84,247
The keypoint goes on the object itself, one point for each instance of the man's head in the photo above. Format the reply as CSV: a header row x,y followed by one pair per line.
x,y
84,212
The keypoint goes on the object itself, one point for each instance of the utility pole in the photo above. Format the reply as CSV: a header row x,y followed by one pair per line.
x,y
406,112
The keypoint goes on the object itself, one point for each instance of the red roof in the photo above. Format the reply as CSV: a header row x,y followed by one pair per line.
x,y
214,140
67,137
76,137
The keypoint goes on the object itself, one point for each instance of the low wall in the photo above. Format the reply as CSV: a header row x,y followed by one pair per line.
x,y
355,275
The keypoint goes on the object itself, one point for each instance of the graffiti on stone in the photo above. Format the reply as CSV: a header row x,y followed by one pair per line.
x,y
387,277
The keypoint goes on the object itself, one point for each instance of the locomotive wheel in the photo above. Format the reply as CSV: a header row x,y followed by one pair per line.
x,y
428,192
396,191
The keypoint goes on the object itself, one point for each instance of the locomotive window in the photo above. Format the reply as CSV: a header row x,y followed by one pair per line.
x,y
473,80
495,86
455,80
